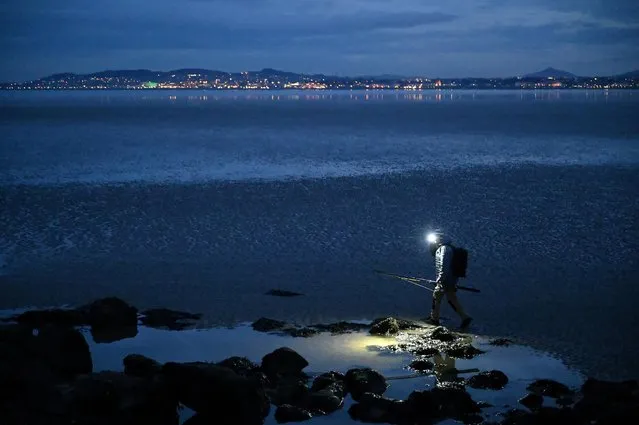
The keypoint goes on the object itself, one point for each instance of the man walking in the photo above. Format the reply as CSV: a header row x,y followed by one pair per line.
x,y
446,281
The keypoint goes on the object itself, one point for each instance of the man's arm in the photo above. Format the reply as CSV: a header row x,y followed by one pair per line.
x,y
443,263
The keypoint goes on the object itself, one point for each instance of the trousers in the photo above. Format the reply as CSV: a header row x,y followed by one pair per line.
x,y
451,294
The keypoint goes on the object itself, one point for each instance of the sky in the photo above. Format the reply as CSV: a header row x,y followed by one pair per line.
x,y
446,38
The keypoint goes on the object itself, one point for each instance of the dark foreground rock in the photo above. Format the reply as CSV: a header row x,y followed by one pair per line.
x,y
542,416
442,403
421,407
599,402
111,319
364,380
492,380
113,397
532,401
162,318
289,389
283,362
38,318
374,408
327,379
287,413
609,402
327,392
110,312
217,392
141,366
549,388
62,352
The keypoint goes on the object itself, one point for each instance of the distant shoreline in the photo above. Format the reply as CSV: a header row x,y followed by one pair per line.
x,y
4,89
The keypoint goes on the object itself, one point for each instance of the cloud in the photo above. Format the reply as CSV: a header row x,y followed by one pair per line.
x,y
341,35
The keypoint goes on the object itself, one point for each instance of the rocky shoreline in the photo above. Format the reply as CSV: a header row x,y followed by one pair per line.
x,y
47,377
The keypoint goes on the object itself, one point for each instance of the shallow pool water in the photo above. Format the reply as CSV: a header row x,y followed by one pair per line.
x,y
326,352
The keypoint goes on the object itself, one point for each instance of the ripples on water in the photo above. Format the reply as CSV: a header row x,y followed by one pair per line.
x,y
204,204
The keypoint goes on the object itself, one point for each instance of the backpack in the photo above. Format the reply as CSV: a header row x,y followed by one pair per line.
x,y
460,261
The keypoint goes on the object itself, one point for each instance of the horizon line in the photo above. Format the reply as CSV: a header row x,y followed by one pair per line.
x,y
354,76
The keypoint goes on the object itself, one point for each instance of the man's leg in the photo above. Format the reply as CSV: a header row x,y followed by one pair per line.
x,y
454,302
438,295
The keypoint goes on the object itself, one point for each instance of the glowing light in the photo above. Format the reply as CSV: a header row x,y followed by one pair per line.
x,y
431,238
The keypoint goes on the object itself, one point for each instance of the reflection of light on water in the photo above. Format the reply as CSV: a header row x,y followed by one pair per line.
x,y
323,352
360,343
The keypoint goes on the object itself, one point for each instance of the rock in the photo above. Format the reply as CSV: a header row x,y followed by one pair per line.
x,y
287,413
340,327
421,365
110,313
267,325
375,408
113,397
532,401
500,342
366,380
326,400
440,403
244,367
564,401
217,391
141,366
425,351
281,293
240,365
484,404
462,351
163,318
62,317
549,388
405,325
440,333
31,368
609,391
385,326
300,332
27,383
102,335
218,419
334,381
283,361
493,380
608,402
65,351
541,416
327,392
289,390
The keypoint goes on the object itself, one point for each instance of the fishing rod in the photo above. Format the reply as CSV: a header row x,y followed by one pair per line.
x,y
414,281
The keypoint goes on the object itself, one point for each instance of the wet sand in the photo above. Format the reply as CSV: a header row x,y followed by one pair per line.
x,y
553,250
